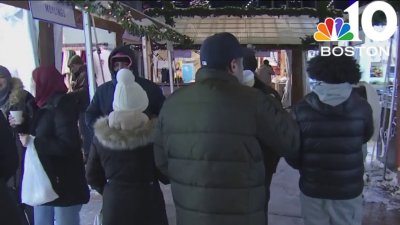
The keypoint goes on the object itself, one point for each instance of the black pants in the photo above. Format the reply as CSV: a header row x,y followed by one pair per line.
x,y
14,186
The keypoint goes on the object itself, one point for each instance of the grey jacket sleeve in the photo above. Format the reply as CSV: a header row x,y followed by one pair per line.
x,y
275,127
160,154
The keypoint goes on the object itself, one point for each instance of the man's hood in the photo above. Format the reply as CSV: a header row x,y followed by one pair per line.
x,y
330,100
333,94
126,50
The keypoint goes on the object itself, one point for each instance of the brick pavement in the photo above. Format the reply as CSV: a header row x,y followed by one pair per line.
x,y
284,204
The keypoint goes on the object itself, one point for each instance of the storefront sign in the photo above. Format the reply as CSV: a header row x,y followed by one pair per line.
x,y
182,54
53,12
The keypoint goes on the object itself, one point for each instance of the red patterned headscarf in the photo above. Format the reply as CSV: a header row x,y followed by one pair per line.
x,y
48,82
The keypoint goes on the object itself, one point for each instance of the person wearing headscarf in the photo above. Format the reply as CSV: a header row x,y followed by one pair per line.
x,y
121,163
57,142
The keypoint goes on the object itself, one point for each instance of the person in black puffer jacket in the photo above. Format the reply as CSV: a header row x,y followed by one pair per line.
x,y
121,163
271,159
9,213
13,97
335,122
101,104
58,145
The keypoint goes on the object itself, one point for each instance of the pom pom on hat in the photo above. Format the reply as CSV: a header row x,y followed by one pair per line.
x,y
129,95
248,78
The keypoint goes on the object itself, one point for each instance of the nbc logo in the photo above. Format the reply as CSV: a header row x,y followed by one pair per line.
x,y
337,30
333,30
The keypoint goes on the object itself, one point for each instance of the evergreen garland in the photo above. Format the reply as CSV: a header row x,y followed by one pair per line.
x,y
122,15
322,11
169,12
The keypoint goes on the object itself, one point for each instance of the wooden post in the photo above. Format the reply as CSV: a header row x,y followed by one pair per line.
x,y
46,44
118,36
297,75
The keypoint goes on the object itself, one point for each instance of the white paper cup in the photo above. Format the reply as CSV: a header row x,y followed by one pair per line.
x,y
17,115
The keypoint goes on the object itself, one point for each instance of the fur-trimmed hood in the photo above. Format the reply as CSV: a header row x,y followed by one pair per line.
x,y
123,140
17,93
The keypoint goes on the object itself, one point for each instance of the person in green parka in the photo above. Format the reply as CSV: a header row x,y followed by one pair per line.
x,y
211,136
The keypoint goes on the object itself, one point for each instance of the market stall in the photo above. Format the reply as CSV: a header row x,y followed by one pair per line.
x,y
277,31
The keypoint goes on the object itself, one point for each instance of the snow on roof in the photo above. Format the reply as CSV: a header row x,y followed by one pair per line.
x,y
251,30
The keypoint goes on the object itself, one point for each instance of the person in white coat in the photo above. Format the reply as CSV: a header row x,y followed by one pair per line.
x,y
368,92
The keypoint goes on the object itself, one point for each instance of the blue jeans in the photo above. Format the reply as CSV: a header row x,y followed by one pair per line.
x,y
45,215
318,211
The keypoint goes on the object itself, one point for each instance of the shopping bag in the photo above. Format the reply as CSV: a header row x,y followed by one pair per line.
x,y
36,186
98,220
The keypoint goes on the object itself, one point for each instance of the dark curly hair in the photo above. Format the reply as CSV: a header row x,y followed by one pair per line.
x,y
334,69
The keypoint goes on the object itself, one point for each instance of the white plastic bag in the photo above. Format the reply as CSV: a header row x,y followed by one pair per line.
x,y
36,186
98,220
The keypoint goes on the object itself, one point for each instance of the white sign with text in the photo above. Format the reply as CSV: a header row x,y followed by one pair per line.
x,y
53,12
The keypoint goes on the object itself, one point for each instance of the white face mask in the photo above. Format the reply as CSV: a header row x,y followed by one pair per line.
x,y
248,78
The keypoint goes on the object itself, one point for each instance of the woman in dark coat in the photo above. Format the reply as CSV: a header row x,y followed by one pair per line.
x,y
121,163
58,146
13,97
9,213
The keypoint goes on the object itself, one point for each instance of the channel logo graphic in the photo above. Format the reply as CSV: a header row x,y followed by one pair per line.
x,y
333,30
337,30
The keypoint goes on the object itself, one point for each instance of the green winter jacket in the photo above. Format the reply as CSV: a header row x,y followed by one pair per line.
x,y
209,142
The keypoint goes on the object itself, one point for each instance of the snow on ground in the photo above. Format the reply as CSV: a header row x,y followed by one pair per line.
x,y
380,189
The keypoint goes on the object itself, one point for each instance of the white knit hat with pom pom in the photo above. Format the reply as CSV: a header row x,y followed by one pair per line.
x,y
129,95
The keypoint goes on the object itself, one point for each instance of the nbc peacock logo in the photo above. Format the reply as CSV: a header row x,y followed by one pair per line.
x,y
333,30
